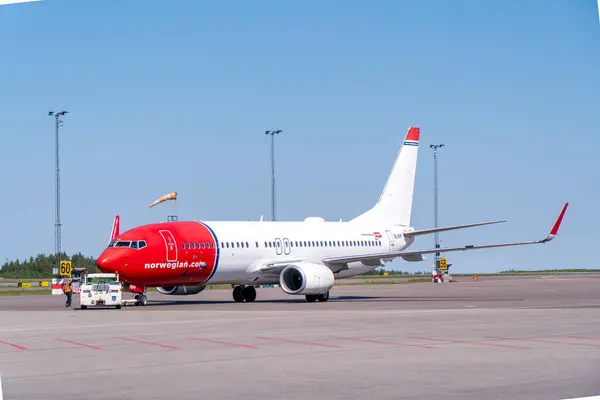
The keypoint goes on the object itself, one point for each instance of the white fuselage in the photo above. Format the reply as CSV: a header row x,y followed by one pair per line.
x,y
243,245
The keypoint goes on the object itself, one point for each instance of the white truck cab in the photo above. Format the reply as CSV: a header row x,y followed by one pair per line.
x,y
100,290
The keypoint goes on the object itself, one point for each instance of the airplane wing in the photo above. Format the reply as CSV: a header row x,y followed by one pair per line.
x,y
449,228
390,255
268,266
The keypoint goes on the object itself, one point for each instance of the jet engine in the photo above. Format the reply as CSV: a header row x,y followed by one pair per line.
x,y
306,278
180,290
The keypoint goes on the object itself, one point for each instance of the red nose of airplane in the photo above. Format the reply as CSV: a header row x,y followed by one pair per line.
x,y
107,263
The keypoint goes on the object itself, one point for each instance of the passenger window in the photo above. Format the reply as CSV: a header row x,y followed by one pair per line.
x,y
257,245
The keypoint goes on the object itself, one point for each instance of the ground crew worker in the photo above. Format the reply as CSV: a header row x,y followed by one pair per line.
x,y
68,290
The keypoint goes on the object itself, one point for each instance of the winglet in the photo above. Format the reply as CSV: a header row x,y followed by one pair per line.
x,y
115,229
554,230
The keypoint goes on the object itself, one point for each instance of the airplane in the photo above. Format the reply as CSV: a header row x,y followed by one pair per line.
x,y
304,258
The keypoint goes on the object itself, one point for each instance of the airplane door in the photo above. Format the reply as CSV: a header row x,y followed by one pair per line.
x,y
390,236
286,246
278,246
170,244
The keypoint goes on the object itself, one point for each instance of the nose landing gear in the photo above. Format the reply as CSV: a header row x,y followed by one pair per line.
x,y
241,293
141,299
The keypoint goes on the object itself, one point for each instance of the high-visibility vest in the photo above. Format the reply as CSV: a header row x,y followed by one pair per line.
x,y
67,287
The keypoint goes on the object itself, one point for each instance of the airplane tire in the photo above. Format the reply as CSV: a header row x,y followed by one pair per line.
x,y
238,295
323,297
311,298
143,300
249,293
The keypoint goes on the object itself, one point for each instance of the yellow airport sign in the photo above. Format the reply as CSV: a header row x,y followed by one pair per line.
x,y
44,284
26,284
65,268
443,264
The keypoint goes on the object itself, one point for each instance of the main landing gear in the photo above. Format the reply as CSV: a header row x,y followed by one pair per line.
x,y
241,293
311,298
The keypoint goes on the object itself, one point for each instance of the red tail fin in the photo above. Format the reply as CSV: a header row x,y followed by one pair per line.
x,y
115,228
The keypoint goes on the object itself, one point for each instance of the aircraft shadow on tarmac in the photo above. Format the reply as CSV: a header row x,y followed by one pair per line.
x,y
301,300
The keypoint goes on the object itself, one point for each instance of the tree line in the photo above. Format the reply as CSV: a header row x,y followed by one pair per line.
x,y
41,265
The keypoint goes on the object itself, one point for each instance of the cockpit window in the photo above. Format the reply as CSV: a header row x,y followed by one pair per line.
x,y
134,244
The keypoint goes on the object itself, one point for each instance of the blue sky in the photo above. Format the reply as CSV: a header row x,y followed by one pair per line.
x,y
176,96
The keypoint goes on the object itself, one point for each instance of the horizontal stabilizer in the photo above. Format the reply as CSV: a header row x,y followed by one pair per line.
x,y
450,228
414,253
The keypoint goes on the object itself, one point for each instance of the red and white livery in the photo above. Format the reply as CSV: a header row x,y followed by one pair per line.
x,y
303,257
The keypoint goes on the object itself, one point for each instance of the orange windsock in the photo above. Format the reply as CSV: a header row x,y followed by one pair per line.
x,y
170,196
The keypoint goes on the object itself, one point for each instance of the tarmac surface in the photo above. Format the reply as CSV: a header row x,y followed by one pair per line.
x,y
534,337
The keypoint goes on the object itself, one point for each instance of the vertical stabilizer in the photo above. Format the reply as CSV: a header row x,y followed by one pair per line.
x,y
115,229
395,204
